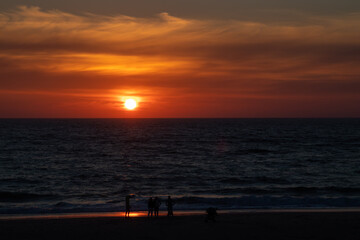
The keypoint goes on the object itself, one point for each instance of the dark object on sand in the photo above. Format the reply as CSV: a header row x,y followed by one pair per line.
x,y
211,214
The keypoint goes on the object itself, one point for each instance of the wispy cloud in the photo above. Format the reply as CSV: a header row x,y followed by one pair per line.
x,y
202,59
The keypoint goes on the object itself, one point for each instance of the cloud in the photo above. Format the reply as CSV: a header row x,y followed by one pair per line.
x,y
55,51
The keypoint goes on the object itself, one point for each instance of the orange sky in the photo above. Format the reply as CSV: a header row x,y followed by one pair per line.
x,y
57,64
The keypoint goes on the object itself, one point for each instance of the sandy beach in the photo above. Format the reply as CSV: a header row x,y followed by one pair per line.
x,y
246,225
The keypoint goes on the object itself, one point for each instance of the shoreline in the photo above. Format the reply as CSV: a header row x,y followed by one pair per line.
x,y
311,224
143,214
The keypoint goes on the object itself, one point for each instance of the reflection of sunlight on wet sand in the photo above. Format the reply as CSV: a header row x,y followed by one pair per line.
x,y
74,215
96,215
137,214
164,213
120,214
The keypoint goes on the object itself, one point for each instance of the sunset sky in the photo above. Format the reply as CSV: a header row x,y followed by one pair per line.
x,y
198,58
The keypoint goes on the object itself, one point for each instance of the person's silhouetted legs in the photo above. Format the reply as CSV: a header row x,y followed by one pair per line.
x,y
157,204
150,207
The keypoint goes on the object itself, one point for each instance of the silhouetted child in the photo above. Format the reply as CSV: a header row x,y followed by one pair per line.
x,y
170,203
157,203
150,207
127,206
211,214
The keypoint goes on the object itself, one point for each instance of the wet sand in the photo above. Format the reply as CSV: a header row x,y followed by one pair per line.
x,y
247,225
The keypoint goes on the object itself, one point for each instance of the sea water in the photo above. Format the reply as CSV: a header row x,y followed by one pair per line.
x,y
90,165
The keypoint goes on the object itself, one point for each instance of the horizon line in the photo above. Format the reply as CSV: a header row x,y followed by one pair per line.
x,y
1,118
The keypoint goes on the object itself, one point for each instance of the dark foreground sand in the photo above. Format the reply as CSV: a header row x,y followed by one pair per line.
x,y
250,225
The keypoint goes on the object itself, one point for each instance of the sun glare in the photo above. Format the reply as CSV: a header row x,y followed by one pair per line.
x,y
130,104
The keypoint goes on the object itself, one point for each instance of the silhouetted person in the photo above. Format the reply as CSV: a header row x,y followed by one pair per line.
x,y
211,214
127,206
157,203
170,204
150,207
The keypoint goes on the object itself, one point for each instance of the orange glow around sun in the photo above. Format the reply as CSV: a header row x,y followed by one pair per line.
x,y
130,104
170,67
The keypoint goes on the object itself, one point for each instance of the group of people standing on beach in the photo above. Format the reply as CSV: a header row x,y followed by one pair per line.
x,y
153,206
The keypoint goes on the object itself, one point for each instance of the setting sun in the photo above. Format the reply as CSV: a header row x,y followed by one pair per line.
x,y
130,104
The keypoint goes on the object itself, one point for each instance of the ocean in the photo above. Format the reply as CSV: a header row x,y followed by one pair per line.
x,y
90,165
